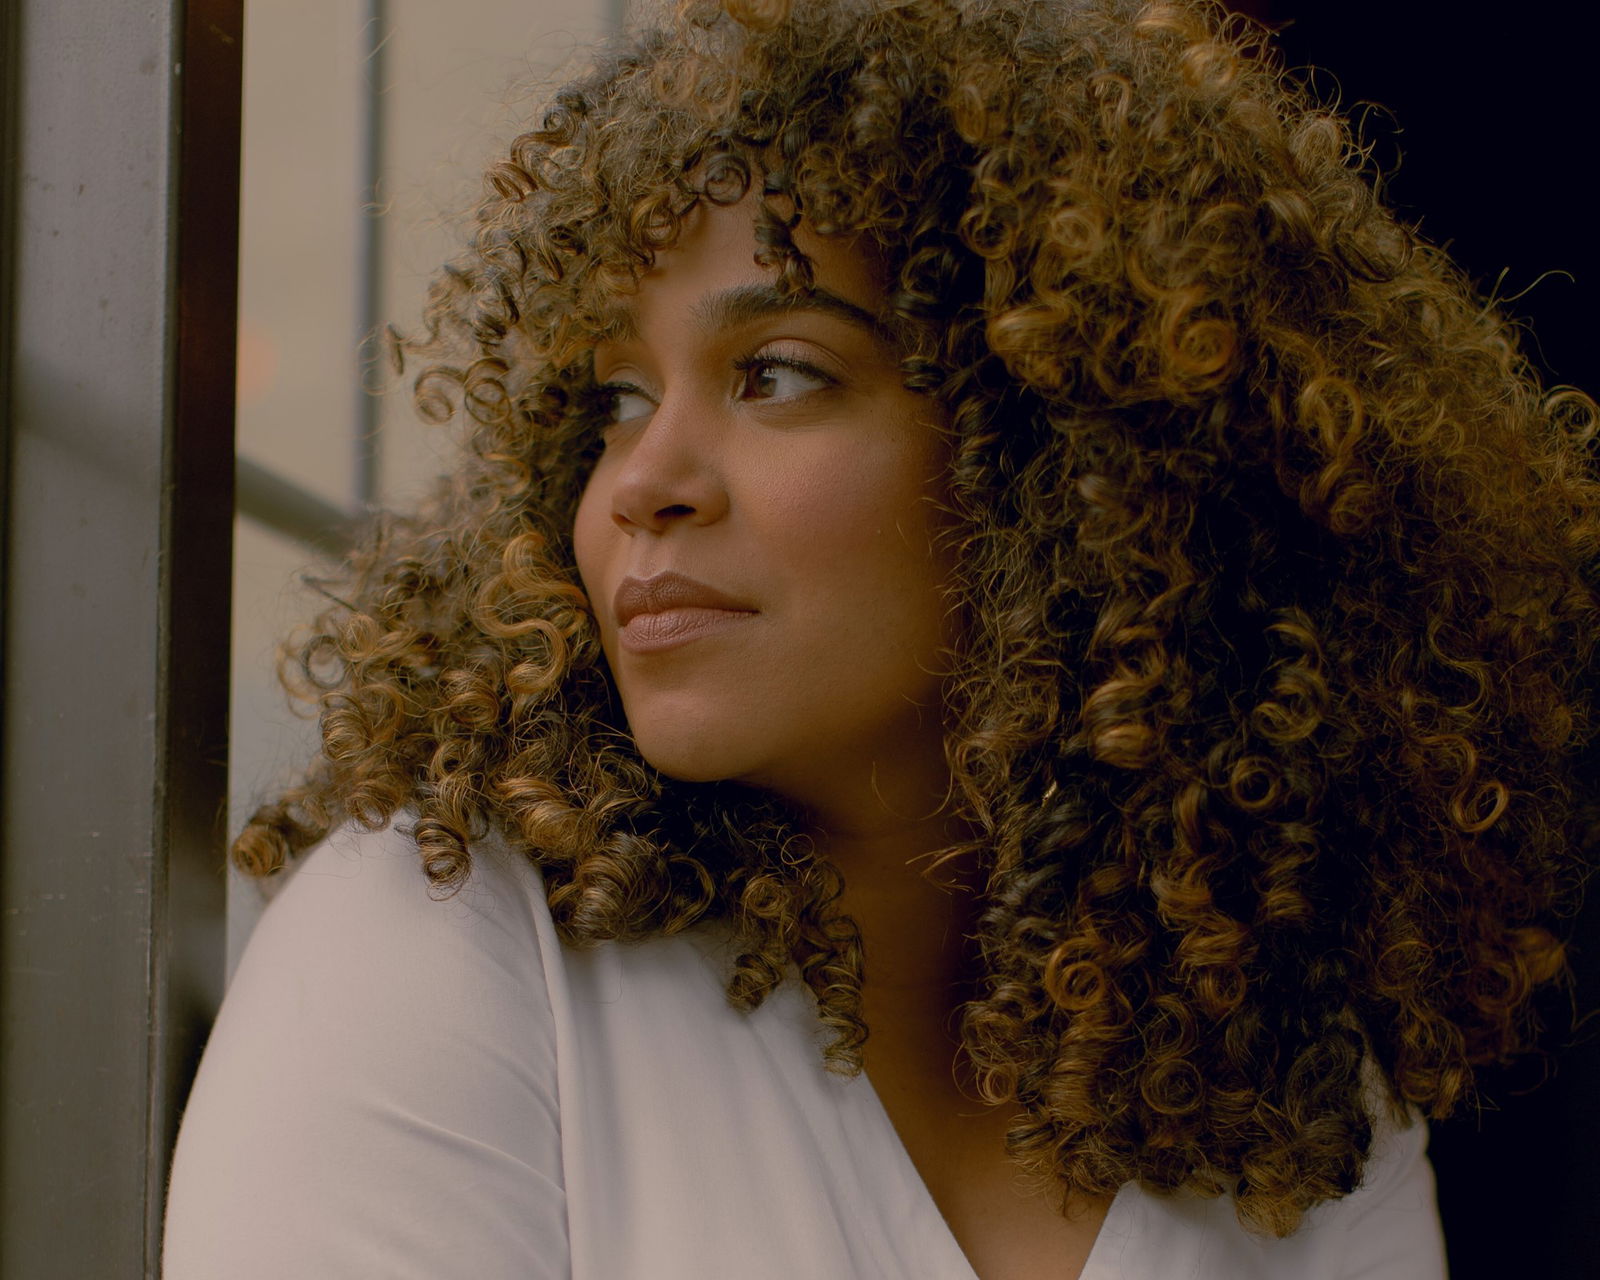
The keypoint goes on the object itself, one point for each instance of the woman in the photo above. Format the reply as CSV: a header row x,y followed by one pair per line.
x,y
977,529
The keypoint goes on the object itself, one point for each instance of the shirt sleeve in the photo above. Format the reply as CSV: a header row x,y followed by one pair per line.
x,y
378,1096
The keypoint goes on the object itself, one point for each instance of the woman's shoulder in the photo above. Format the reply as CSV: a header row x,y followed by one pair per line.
x,y
375,879
357,956
373,883
382,1075
1386,1229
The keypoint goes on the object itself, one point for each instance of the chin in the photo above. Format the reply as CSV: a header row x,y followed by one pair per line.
x,y
687,757
695,772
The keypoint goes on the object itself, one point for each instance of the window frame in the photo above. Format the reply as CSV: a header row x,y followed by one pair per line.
x,y
120,221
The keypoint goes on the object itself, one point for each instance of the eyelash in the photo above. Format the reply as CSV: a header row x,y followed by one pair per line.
x,y
607,392
748,364
605,399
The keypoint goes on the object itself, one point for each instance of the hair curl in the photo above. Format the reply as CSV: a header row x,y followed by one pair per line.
x,y
1278,568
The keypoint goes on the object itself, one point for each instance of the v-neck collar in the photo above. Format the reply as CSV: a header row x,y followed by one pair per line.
x,y
870,1126
931,1219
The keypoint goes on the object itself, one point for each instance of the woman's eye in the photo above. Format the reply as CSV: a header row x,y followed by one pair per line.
x,y
779,379
624,402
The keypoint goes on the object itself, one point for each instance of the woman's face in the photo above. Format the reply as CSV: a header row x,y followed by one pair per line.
x,y
757,538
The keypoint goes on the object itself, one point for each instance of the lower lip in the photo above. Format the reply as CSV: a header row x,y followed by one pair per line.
x,y
656,632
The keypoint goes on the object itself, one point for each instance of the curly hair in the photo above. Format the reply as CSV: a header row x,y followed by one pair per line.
x,y
1277,566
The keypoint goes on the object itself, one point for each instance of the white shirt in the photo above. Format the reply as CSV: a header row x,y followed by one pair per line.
x,y
404,1087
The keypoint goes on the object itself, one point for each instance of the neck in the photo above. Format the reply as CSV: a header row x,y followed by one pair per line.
x,y
881,819
915,928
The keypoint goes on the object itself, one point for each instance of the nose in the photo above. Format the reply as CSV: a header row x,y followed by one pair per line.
x,y
671,471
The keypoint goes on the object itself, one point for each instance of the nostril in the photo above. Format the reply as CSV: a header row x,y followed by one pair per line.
x,y
659,519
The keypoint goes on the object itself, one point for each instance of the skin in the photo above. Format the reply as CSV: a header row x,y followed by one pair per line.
x,y
771,451
807,493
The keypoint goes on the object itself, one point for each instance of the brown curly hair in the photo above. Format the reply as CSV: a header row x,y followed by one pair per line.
x,y
1277,566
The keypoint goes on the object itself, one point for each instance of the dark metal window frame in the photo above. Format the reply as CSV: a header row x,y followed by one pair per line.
x,y
120,218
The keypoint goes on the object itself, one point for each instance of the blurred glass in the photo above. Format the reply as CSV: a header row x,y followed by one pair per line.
x,y
456,83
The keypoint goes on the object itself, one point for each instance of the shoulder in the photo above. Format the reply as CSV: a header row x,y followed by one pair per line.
x,y
355,955
1389,1226
373,884
379,1092
356,940
1387,1229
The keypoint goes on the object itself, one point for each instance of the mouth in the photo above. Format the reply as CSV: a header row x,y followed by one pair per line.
x,y
653,632
666,592
671,609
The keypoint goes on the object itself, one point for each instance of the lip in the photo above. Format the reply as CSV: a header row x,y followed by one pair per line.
x,y
668,591
671,609
653,632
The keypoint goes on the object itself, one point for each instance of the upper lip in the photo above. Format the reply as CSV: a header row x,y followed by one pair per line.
x,y
668,591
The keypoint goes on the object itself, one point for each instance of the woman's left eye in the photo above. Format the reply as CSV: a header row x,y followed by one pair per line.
x,y
767,378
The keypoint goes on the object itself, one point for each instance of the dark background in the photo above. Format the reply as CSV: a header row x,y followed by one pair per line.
x,y
1490,119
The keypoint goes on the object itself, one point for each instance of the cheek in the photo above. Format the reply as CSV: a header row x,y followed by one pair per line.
x,y
590,529
881,501
862,524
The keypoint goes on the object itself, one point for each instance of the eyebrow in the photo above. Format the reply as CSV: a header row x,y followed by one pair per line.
x,y
743,303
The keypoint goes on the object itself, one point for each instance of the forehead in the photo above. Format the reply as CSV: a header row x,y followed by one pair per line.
x,y
710,278
739,304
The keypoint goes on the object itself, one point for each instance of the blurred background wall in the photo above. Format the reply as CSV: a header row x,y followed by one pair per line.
x,y
419,96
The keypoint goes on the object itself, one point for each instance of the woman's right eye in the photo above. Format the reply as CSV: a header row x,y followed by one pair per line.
x,y
624,402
